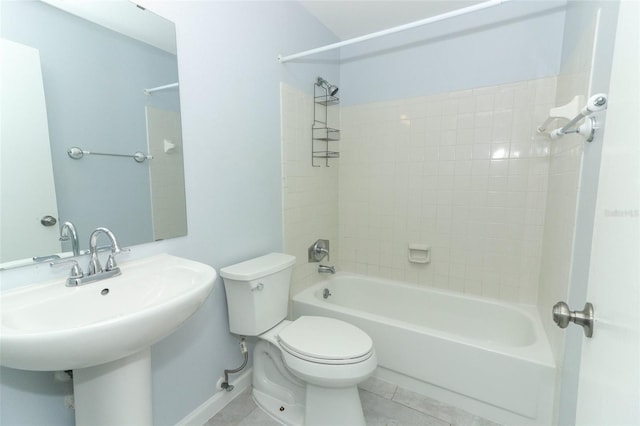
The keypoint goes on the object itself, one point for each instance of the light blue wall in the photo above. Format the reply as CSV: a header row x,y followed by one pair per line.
x,y
230,99
515,41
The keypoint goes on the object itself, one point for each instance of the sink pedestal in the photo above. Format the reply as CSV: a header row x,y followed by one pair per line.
x,y
115,393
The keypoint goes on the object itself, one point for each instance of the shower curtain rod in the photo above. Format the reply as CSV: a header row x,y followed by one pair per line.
x,y
157,89
419,23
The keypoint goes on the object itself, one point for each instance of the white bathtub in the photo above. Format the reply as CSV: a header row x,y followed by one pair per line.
x,y
488,357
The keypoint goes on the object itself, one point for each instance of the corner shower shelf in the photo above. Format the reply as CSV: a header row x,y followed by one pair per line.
x,y
321,133
326,134
326,155
327,100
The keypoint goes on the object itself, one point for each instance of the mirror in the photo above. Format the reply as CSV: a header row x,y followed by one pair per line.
x,y
97,78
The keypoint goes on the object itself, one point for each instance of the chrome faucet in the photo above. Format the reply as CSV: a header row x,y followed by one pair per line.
x,y
94,271
68,232
323,269
94,262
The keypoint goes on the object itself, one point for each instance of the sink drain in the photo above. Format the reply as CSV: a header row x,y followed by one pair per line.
x,y
104,291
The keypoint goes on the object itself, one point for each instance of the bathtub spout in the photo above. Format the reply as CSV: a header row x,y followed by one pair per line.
x,y
323,269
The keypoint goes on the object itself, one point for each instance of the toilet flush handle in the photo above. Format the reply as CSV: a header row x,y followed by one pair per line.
x,y
258,287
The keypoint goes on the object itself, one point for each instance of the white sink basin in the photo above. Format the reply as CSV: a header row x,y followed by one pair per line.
x,y
53,327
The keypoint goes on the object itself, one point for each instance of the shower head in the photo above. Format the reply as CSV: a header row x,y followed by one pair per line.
x,y
330,87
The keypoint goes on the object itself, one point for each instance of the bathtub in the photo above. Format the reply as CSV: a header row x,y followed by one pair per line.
x,y
488,357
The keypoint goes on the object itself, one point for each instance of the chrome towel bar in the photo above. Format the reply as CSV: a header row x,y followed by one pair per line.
x,y
77,153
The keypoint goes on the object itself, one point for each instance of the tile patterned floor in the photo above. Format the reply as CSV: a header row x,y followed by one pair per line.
x,y
384,404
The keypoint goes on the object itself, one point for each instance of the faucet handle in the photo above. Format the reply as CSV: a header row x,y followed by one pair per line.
x,y
111,261
319,250
76,270
118,250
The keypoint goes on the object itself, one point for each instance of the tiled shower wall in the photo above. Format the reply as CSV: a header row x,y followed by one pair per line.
x,y
462,172
310,194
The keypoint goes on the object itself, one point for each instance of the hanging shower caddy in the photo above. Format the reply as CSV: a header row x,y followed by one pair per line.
x,y
324,96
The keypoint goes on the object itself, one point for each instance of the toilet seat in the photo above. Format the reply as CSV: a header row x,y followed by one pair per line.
x,y
325,340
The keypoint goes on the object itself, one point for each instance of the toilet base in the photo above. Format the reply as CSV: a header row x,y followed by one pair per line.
x,y
276,391
293,402
333,406
338,407
288,414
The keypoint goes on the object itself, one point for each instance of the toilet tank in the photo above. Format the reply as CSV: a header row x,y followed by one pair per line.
x,y
258,292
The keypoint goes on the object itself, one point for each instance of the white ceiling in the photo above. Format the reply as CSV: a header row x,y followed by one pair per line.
x,y
352,18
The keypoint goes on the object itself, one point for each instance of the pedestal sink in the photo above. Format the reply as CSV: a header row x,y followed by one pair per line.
x,y
102,331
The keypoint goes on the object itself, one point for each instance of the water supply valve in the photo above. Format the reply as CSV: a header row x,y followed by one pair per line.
x,y
318,251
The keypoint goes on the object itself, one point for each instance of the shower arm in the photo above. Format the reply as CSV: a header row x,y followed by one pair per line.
x,y
329,88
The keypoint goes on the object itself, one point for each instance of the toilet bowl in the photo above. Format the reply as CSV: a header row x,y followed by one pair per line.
x,y
305,371
327,352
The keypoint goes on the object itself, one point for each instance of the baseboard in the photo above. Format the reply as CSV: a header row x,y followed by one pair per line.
x,y
217,402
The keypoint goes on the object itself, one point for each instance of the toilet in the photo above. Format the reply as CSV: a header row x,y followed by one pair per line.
x,y
305,372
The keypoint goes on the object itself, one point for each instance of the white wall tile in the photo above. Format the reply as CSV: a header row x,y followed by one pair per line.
x,y
463,172
310,194
466,177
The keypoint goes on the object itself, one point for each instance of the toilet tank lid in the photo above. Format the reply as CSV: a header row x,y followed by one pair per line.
x,y
258,267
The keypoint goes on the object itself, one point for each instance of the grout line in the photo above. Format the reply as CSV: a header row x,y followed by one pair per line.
x,y
395,389
421,412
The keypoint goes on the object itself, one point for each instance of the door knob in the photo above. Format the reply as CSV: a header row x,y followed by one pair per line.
x,y
562,316
48,221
